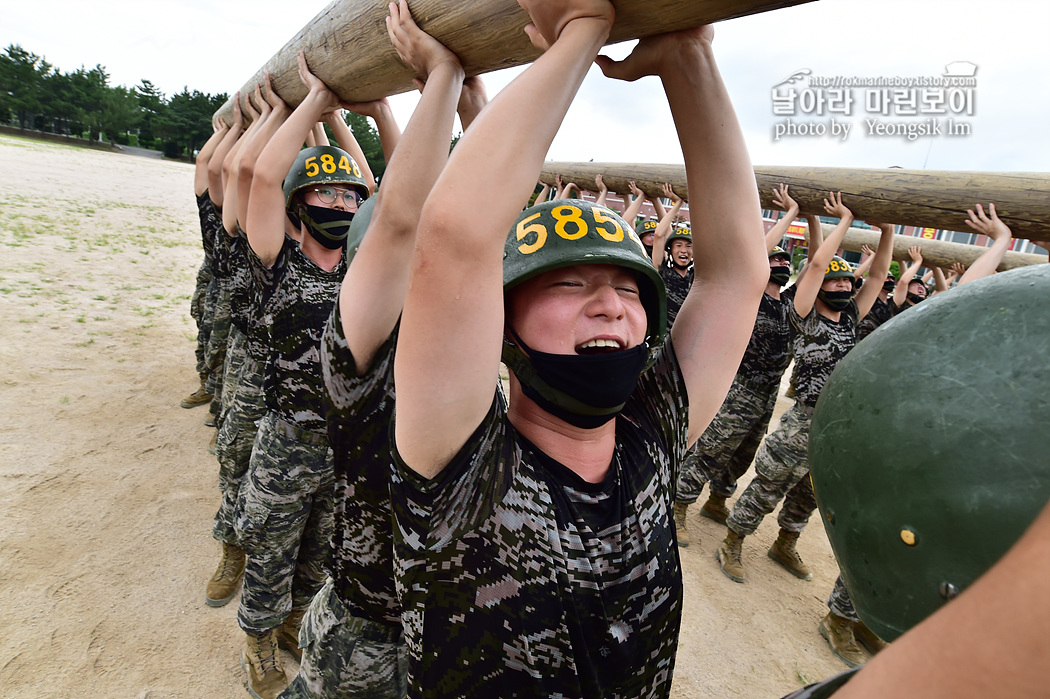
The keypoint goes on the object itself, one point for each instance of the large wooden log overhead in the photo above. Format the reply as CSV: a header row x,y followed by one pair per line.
x,y
347,45
926,198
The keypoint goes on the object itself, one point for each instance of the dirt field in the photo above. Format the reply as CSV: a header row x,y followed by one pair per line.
x,y
108,491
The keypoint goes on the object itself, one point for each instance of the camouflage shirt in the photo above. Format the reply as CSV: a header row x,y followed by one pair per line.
x,y
359,410
819,345
244,297
880,312
769,351
211,221
297,298
519,579
677,289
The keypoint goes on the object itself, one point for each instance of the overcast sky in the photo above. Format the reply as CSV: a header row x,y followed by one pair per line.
x,y
174,43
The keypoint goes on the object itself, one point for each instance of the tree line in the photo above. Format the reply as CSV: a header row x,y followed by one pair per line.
x,y
39,96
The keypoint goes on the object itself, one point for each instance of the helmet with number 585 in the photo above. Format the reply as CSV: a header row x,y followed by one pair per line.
x,y
568,232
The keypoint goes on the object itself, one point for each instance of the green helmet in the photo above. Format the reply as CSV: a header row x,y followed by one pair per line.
x,y
323,165
678,234
919,497
359,226
569,232
779,251
645,227
837,268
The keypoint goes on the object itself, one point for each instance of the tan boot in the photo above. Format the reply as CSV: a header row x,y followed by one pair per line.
x,y
223,585
198,397
868,638
288,633
728,555
715,508
838,631
783,552
262,664
680,525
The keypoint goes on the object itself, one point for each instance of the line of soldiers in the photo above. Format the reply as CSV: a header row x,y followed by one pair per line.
x,y
451,538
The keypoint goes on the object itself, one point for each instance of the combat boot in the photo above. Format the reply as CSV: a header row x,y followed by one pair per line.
x,y
728,555
838,631
868,638
680,525
715,508
198,397
262,664
288,633
223,585
783,552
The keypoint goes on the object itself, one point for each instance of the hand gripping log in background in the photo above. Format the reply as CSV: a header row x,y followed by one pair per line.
x,y
926,198
347,45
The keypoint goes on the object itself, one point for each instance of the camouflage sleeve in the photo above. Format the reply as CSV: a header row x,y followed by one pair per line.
x,y
208,217
266,278
349,394
660,403
462,496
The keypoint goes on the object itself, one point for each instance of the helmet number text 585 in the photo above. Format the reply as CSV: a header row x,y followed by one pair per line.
x,y
569,222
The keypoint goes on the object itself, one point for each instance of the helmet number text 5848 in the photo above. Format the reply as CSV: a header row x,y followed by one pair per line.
x,y
570,223
326,163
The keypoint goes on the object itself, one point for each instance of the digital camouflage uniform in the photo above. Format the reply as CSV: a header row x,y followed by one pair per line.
x,y
677,289
219,299
210,222
783,460
839,601
881,311
351,636
519,578
285,507
725,450
243,398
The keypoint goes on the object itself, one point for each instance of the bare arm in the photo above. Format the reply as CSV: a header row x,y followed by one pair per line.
x,y
472,99
453,316
999,232
880,267
636,204
345,138
266,205
663,228
603,191
940,283
373,291
200,167
215,184
807,286
865,264
245,169
780,228
730,269
900,292
231,168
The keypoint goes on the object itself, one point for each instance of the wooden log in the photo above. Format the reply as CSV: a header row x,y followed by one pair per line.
x,y
348,48
926,198
935,253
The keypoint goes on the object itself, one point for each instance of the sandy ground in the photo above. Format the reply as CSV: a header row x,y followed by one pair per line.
x,y
107,490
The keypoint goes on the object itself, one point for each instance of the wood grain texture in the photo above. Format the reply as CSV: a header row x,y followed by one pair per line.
x,y
348,48
926,198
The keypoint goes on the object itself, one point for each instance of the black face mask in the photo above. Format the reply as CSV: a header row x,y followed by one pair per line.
x,y
327,226
779,275
915,298
585,390
835,300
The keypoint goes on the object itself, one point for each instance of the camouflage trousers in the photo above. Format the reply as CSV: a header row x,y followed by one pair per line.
x,y
346,656
840,603
728,445
233,445
232,369
781,468
284,515
215,357
200,292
